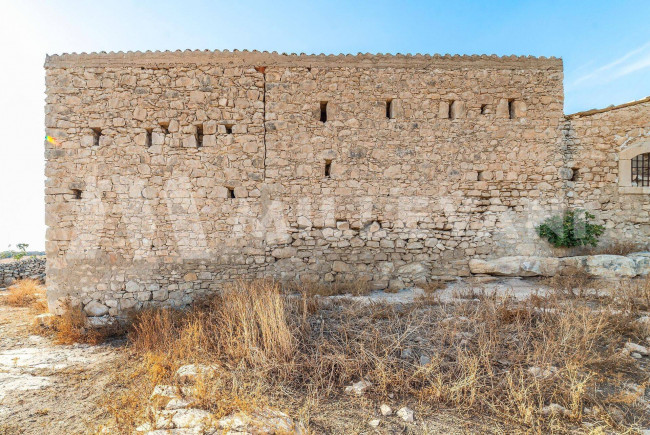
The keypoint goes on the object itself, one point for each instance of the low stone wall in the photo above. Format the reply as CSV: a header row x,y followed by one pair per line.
x,y
597,266
26,268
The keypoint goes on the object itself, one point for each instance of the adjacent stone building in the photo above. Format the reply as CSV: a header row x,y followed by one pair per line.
x,y
180,171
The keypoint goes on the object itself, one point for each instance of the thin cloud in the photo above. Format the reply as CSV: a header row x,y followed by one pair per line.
x,y
630,62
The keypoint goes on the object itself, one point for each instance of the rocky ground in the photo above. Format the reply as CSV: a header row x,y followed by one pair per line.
x,y
47,388
57,389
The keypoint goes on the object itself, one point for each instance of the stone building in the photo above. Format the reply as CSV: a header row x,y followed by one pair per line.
x,y
180,171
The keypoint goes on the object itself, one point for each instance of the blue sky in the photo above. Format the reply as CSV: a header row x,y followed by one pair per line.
x,y
605,46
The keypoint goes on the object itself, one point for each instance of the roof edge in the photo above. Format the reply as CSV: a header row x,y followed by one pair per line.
x,y
265,58
607,109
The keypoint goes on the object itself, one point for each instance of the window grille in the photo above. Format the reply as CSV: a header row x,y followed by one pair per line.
x,y
641,170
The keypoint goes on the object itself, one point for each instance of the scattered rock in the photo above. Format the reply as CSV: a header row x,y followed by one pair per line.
x,y
540,372
637,348
374,423
179,404
358,388
406,414
100,322
191,418
451,320
645,320
164,392
385,410
144,427
424,360
46,320
262,421
189,373
406,353
555,409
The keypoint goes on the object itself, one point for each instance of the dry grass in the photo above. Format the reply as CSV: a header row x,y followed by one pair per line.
x,y
27,293
299,353
355,287
616,248
573,282
72,327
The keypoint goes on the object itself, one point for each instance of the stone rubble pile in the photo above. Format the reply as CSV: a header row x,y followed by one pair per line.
x,y
20,269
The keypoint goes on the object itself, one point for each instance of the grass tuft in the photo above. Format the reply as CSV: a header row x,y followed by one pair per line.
x,y
27,293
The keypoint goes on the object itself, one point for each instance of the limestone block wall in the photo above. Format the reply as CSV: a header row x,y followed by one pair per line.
x,y
596,142
178,172
416,191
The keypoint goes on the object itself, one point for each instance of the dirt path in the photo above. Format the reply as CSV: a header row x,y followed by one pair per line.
x,y
47,388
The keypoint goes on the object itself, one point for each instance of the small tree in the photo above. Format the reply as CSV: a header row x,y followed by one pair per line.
x,y
22,251
573,228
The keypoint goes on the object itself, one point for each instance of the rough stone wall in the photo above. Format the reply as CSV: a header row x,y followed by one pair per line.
x,y
138,213
594,141
19,269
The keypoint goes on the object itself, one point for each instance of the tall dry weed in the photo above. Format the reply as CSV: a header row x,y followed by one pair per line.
x,y
29,293
490,356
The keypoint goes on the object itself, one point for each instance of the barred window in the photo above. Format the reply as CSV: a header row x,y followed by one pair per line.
x,y
641,170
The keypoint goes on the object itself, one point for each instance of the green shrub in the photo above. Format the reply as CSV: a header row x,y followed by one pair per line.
x,y
573,228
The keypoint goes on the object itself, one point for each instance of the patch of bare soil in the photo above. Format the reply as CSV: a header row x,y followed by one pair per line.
x,y
47,388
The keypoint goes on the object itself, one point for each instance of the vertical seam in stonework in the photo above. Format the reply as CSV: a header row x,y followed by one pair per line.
x,y
264,121
567,156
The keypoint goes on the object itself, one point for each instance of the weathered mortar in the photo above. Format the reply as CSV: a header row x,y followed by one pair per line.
x,y
140,218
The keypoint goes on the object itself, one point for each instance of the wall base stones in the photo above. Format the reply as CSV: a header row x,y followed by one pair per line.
x,y
597,266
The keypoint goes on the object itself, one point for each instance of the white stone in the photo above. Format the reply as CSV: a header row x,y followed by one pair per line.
x,y
374,423
358,388
633,347
516,266
610,266
191,371
164,392
555,409
95,309
406,414
540,372
261,421
385,410
191,418
178,404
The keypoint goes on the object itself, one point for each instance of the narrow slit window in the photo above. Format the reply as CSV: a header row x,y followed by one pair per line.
x,y
452,110
323,111
164,126
229,128
97,133
231,193
389,108
511,109
149,132
641,170
328,168
199,136
483,109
